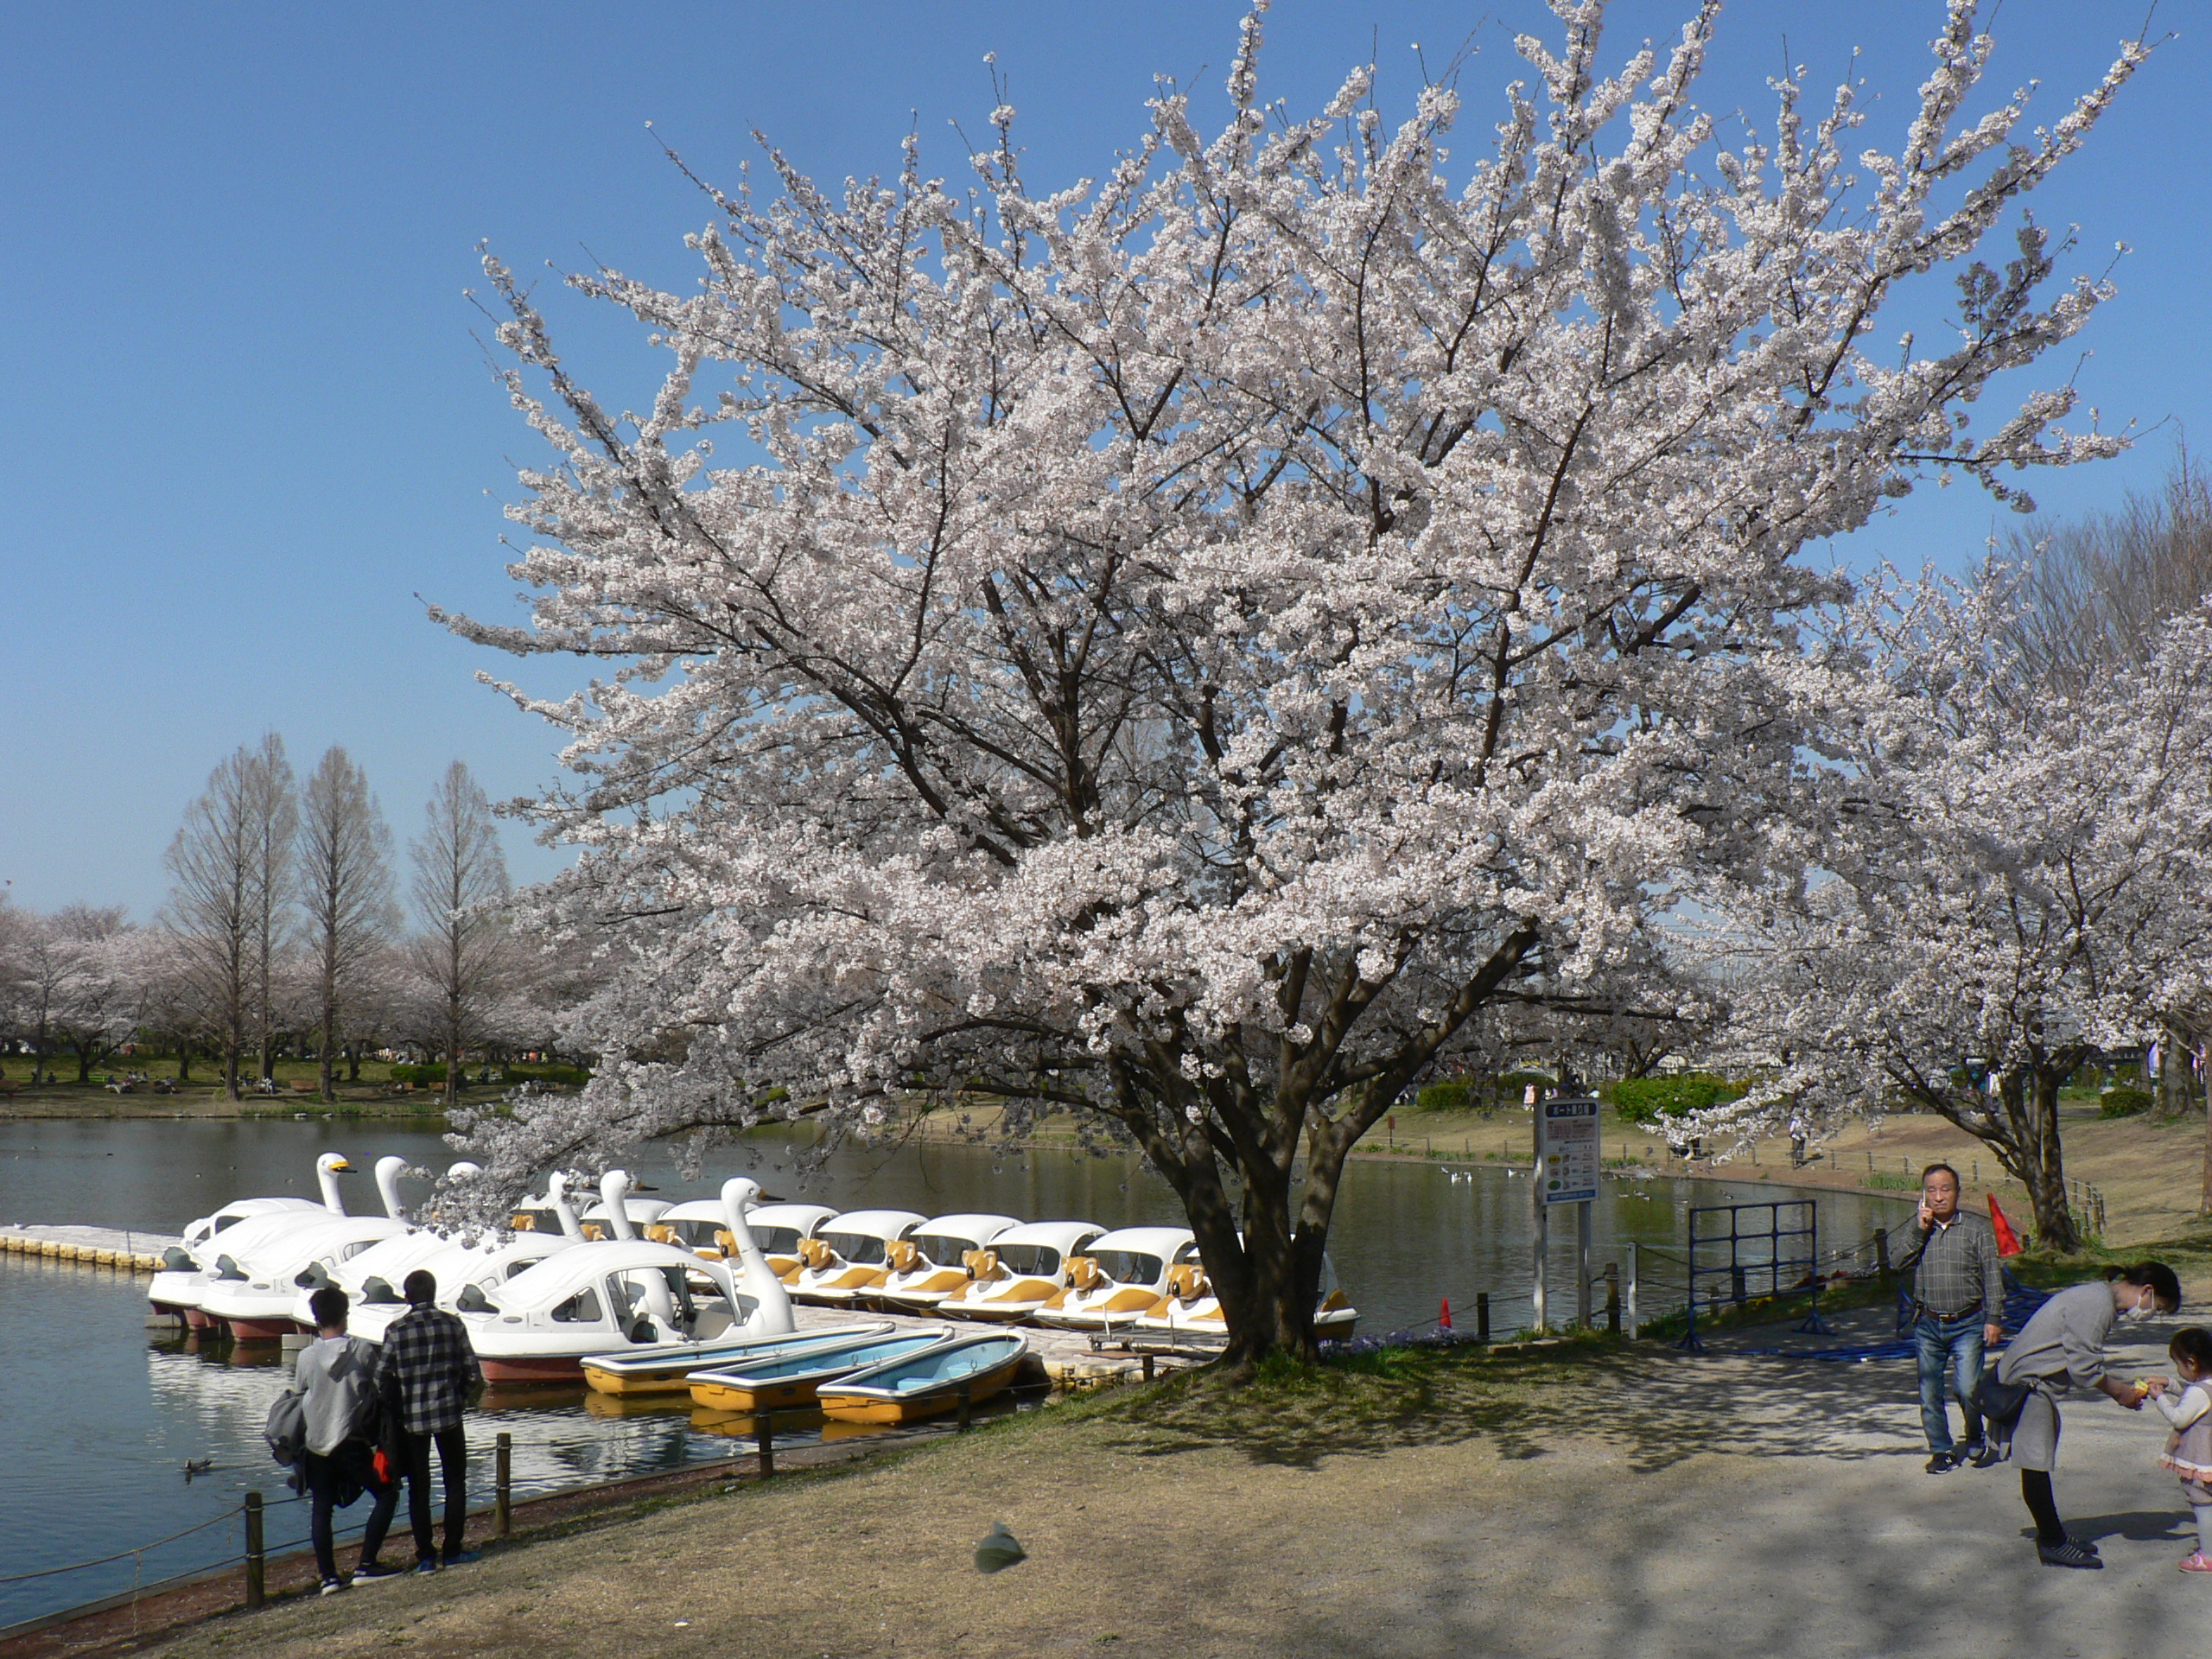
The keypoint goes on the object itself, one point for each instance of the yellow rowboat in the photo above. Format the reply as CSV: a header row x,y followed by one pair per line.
x,y
780,1384
666,1368
929,1384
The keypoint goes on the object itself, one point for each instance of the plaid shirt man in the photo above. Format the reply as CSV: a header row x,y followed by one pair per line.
x,y
1960,1270
427,1366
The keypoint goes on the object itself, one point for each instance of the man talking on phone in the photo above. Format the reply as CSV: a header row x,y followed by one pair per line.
x,y
1958,1301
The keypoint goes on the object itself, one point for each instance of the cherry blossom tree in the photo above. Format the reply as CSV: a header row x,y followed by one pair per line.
x,y
1177,649
2024,878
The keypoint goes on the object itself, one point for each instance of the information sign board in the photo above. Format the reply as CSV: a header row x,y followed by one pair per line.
x,y
1566,1130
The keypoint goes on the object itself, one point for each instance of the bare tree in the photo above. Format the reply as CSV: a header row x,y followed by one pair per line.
x,y
2091,595
276,832
227,908
460,884
346,886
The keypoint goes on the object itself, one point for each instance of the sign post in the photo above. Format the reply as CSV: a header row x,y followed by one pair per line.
x,y
1566,1173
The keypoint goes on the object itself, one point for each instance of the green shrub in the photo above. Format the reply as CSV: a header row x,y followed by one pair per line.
x,y
573,1077
2123,1102
1453,1094
418,1075
1643,1100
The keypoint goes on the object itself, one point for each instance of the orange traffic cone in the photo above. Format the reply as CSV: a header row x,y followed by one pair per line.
x,y
1444,1319
2008,1242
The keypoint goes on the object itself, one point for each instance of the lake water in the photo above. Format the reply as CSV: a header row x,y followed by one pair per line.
x,y
98,1415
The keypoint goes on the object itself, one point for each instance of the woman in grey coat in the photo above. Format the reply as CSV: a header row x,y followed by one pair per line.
x,y
2062,1345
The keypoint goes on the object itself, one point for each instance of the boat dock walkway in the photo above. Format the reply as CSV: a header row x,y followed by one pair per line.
x,y
102,1246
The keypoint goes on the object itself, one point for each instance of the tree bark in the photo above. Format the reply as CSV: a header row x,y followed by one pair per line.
x,y
2020,1124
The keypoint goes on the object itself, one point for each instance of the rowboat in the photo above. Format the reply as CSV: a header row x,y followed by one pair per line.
x,y
940,1255
928,1383
792,1380
670,1368
1017,1271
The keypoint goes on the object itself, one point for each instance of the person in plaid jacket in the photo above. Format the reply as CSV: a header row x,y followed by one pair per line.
x,y
428,1373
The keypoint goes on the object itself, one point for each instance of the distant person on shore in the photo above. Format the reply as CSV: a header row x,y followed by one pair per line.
x,y
338,1375
2063,1345
2188,1411
429,1373
1958,1305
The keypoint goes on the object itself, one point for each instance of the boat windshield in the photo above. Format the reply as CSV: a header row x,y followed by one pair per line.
x,y
864,1247
1026,1260
943,1249
776,1241
1128,1267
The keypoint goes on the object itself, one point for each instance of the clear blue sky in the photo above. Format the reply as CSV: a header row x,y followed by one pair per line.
x,y
247,420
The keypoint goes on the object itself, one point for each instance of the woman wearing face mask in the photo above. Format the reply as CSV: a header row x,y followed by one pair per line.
x,y
2063,1344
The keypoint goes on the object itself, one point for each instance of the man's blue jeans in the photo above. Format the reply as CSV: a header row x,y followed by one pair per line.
x,y
1952,1345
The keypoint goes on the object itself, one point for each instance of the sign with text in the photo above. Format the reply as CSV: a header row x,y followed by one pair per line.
x,y
1567,1147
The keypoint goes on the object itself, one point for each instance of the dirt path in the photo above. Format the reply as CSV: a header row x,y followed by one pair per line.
x,y
1654,1504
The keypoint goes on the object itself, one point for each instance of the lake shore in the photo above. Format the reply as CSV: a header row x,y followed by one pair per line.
x,y
1592,1501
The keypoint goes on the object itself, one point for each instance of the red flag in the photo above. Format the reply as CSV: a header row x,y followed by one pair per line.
x,y
2008,1242
1444,1319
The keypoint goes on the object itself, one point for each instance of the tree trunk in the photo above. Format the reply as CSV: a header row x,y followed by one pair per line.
x,y
183,1061
326,1072
86,1051
352,1062
2205,1202
2042,1167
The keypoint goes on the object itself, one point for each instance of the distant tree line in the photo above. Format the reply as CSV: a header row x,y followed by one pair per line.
x,y
285,932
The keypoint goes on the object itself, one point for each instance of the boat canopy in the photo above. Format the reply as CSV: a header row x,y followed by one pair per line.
x,y
944,1239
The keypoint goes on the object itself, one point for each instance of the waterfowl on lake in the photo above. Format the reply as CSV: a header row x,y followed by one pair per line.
x,y
1017,1271
940,1255
845,1261
928,1382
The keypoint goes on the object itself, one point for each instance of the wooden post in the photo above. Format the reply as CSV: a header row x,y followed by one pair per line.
x,y
765,1438
503,1485
1633,1264
967,1406
1481,1315
1882,1251
1613,1297
1148,1368
256,1581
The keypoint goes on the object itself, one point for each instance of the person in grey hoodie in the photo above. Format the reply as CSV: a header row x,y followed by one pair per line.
x,y
337,1373
2063,1345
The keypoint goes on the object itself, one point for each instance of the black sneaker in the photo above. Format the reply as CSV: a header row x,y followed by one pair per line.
x,y
1943,1463
1983,1456
372,1571
460,1557
2069,1554
332,1586
428,1564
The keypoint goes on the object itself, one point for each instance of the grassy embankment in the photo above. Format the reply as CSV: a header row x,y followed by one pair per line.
x,y
376,1094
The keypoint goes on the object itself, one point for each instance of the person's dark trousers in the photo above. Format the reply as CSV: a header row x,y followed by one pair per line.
x,y
351,1465
1952,1346
453,1457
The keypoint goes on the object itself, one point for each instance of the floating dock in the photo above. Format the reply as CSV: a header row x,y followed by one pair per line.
x,y
94,1247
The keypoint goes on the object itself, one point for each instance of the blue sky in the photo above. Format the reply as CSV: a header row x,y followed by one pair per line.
x,y
249,421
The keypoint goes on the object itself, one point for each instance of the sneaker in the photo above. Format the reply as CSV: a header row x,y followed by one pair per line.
x,y
2197,1561
460,1557
2069,1554
428,1564
1985,1456
1943,1463
332,1586
372,1571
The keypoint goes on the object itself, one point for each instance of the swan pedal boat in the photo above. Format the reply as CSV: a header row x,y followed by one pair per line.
x,y
1017,1271
781,1228
848,1259
1190,1310
668,1368
242,1225
794,1380
940,1256
1119,1277
927,1383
